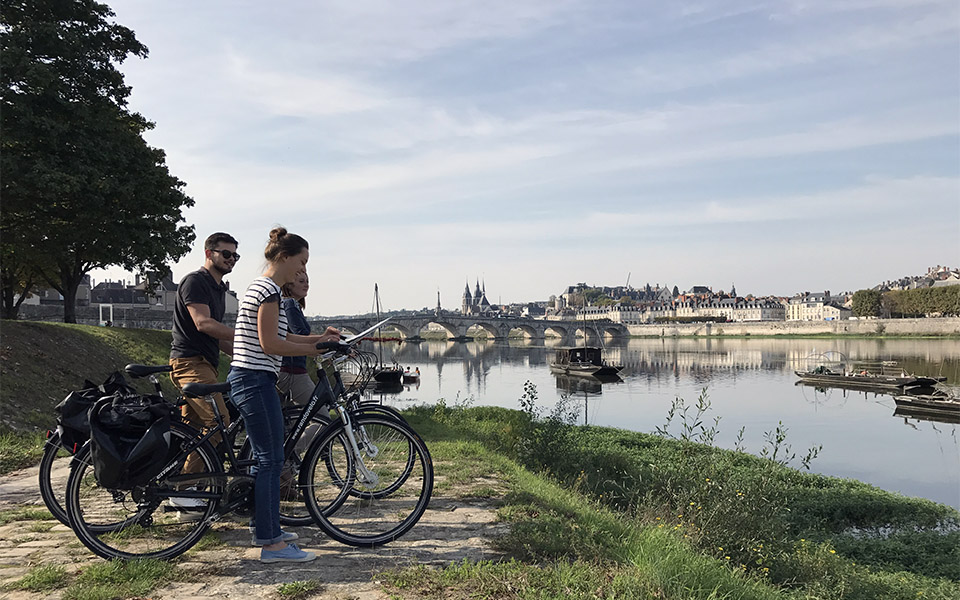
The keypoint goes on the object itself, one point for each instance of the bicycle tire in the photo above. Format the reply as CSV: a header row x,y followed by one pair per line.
x,y
293,509
377,408
372,519
130,525
54,498
369,448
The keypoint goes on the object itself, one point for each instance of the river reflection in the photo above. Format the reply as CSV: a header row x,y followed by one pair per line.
x,y
750,383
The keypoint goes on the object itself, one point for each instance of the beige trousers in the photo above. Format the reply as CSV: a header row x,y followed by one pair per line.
x,y
198,412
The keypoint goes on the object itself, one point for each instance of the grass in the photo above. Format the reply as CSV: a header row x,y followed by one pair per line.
x,y
562,544
297,590
118,580
101,581
43,362
674,518
24,514
19,450
42,578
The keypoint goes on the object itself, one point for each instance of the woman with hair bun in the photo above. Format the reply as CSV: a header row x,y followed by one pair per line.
x,y
260,340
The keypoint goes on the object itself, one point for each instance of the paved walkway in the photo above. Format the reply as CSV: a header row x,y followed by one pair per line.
x,y
451,530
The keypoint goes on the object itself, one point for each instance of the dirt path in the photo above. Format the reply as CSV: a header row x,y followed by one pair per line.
x,y
452,529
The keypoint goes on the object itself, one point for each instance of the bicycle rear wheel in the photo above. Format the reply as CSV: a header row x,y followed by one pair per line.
x,y
134,524
293,508
363,515
54,496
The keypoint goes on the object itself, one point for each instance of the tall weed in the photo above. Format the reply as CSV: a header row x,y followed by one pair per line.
x,y
548,439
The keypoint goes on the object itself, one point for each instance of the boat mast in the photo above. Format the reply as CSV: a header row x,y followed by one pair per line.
x,y
376,300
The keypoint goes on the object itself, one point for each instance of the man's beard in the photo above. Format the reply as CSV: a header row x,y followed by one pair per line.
x,y
222,270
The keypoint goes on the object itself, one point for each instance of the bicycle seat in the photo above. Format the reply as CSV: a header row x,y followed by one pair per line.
x,y
198,390
137,371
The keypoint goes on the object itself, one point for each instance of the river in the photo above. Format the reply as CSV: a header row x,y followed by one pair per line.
x,y
750,383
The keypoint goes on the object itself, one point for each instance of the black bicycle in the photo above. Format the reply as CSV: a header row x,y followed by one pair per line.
x,y
366,479
54,448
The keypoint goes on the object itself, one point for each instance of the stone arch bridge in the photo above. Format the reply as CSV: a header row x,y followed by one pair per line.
x,y
456,326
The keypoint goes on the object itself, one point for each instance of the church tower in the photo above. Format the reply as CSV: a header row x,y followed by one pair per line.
x,y
477,294
467,300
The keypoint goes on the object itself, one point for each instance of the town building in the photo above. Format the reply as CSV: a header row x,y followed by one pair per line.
x,y
120,294
817,306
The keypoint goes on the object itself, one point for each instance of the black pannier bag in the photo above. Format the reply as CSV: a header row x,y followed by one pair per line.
x,y
72,412
129,439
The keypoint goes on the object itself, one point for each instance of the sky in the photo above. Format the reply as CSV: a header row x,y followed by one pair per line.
x,y
781,146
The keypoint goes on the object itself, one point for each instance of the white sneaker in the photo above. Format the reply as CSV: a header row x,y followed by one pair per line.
x,y
191,516
187,503
188,509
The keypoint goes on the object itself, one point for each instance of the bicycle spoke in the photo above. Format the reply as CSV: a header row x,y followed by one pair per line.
x,y
389,487
141,523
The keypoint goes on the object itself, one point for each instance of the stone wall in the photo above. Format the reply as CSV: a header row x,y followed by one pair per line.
x,y
940,326
133,318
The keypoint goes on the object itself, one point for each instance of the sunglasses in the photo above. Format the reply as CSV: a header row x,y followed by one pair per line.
x,y
227,255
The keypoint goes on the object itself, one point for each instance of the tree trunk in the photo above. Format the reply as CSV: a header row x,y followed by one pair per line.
x,y
71,275
11,302
70,301
11,310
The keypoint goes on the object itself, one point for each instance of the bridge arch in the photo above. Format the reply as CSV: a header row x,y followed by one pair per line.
x,y
527,331
557,330
483,327
453,331
406,330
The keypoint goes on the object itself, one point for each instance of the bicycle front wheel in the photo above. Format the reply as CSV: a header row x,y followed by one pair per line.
x,y
54,495
363,514
141,523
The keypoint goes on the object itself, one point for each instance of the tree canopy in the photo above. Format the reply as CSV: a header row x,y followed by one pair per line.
x,y
866,303
81,188
932,301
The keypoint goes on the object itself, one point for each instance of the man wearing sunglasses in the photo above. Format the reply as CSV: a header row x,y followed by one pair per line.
x,y
198,337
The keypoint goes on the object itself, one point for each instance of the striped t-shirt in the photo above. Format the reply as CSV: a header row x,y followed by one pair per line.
x,y
247,352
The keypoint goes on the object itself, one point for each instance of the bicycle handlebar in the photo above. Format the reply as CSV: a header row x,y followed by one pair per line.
x,y
336,347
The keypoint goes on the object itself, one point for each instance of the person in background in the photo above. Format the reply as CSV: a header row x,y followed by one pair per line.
x,y
199,336
294,380
260,340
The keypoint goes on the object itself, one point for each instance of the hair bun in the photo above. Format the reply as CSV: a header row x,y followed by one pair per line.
x,y
277,232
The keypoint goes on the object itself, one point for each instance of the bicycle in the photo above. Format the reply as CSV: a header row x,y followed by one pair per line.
x,y
293,510
372,467
54,449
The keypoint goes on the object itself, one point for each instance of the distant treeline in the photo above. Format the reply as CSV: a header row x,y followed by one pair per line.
x,y
944,301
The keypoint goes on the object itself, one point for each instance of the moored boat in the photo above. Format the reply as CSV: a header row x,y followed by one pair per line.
x,y
582,361
938,402
388,375
823,376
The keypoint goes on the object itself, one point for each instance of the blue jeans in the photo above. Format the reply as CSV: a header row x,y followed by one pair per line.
x,y
255,395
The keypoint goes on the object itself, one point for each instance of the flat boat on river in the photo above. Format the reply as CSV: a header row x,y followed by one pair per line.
x,y
582,361
939,402
823,376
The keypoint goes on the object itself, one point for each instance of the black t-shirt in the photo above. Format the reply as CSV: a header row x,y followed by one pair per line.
x,y
198,287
